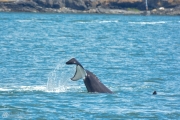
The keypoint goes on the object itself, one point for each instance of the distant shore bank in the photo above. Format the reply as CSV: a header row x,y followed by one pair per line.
x,y
171,12
82,6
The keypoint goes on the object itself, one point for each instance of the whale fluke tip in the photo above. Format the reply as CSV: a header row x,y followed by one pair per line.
x,y
71,61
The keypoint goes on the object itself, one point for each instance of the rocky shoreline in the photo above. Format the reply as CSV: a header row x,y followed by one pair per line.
x,y
85,6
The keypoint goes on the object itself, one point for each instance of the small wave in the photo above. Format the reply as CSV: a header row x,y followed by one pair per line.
x,y
148,23
22,21
81,21
108,21
5,89
34,88
33,20
24,88
99,21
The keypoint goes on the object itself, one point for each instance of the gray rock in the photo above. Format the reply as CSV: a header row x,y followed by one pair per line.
x,y
93,6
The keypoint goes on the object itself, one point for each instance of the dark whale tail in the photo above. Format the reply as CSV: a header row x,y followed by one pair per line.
x,y
92,83
80,72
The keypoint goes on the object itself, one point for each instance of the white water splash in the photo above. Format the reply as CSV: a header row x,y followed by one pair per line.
x,y
58,79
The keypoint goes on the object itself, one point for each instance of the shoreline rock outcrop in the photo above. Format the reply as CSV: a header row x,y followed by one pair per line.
x,y
155,7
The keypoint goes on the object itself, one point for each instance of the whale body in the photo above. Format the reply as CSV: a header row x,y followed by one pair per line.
x,y
92,83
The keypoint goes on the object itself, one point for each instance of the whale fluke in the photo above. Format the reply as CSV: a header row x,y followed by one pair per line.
x,y
92,83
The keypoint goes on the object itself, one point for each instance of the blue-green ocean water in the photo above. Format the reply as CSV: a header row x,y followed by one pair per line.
x,y
131,55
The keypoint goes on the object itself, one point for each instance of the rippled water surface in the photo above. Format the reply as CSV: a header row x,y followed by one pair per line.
x,y
132,55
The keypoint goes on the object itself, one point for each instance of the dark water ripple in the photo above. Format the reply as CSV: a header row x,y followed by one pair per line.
x,y
132,55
